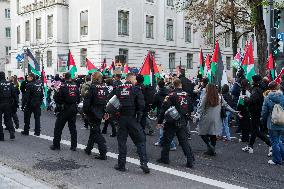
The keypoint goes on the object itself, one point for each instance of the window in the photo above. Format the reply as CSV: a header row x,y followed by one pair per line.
x,y
227,39
18,34
170,30
123,22
83,56
170,3
37,57
28,34
172,59
228,62
50,26
189,61
49,58
7,13
149,26
38,28
8,49
8,32
187,32
18,6
125,53
84,22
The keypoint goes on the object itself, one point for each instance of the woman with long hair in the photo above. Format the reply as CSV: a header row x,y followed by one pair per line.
x,y
209,112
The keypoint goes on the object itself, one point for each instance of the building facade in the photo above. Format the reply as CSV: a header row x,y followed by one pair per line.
x,y
5,34
99,29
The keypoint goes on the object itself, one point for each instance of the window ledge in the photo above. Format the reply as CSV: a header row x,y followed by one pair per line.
x,y
123,35
168,40
188,42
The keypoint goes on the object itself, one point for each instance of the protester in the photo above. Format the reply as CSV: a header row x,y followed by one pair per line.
x,y
210,124
272,97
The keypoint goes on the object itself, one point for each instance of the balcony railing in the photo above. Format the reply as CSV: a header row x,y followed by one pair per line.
x,y
41,4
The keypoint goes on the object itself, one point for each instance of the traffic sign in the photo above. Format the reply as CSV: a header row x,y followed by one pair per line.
x,y
281,47
280,36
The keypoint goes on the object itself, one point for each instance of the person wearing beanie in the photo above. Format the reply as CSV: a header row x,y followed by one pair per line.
x,y
255,102
272,97
8,98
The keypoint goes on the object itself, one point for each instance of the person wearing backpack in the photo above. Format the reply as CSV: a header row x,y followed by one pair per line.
x,y
273,98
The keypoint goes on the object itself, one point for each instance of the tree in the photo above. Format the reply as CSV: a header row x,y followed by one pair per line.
x,y
260,32
239,17
231,16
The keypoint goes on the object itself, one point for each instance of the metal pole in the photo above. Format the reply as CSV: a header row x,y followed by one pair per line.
x,y
214,27
271,27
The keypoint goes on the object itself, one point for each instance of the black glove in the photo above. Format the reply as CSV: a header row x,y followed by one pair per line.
x,y
139,116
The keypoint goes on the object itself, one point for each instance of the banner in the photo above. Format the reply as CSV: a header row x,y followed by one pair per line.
x,y
62,63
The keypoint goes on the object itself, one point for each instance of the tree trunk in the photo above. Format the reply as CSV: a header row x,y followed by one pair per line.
x,y
261,38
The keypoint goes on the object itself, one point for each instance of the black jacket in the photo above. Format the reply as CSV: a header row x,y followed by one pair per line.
x,y
68,94
159,99
255,101
33,96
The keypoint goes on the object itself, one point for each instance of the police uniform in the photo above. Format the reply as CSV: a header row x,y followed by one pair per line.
x,y
94,107
31,104
132,106
8,98
180,100
67,99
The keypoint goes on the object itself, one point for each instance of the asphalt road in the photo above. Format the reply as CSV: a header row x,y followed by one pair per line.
x,y
66,169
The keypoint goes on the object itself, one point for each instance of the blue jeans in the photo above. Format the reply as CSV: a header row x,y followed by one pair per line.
x,y
173,145
226,129
277,146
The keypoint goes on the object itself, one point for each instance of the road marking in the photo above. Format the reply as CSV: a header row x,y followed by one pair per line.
x,y
152,166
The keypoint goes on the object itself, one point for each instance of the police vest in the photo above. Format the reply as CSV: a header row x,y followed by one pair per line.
x,y
37,90
181,102
72,95
101,94
125,94
5,90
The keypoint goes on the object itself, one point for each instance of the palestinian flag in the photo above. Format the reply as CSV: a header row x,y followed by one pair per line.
x,y
90,66
248,62
202,63
43,77
103,66
270,67
208,68
278,79
217,65
237,61
71,65
33,66
149,70
126,69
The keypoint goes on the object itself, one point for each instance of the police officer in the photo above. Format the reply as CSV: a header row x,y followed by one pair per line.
x,y
94,107
32,101
180,100
8,98
132,105
67,99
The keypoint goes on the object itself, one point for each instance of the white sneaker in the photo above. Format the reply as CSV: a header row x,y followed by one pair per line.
x,y
173,149
157,144
248,149
271,162
269,152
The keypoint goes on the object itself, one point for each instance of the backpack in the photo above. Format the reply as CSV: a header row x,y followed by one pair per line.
x,y
277,116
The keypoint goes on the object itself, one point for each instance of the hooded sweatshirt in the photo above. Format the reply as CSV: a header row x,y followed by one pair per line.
x,y
271,98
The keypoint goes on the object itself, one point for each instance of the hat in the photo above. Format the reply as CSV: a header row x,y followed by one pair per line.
x,y
256,78
2,75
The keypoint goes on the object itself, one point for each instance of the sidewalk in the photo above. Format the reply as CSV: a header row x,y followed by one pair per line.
x,y
13,179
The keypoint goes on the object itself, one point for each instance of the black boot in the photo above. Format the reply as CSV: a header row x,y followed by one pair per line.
x,y
52,147
12,136
2,137
120,168
26,133
145,168
101,157
88,152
